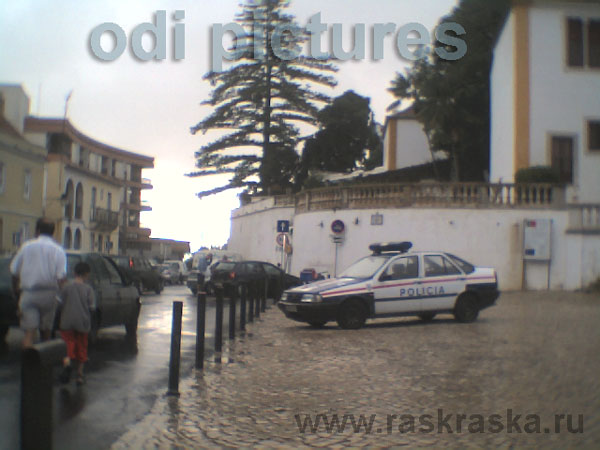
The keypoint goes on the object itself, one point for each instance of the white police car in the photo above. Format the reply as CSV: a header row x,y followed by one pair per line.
x,y
392,282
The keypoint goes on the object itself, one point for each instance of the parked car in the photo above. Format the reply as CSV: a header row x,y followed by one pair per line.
x,y
230,274
8,301
167,274
200,263
393,282
178,271
139,271
117,300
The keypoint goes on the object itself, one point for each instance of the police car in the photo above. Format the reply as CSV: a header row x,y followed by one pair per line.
x,y
393,282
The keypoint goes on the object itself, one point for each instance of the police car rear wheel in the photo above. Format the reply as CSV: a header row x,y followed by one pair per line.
x,y
466,308
351,315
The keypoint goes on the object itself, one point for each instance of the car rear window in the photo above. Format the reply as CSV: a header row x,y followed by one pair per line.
x,y
464,265
225,266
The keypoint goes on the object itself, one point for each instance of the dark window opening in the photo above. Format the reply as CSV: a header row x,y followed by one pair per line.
x,y
562,158
594,135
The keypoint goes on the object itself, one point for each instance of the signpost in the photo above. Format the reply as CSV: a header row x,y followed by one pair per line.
x,y
283,226
338,228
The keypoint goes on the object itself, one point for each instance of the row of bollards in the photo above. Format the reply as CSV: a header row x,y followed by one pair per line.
x,y
253,301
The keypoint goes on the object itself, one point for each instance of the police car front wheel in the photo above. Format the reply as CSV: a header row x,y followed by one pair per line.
x,y
466,309
351,315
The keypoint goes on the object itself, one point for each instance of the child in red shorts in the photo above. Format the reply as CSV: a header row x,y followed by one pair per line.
x,y
78,303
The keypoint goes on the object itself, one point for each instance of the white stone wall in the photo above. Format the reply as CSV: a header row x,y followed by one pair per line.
x,y
502,107
254,229
485,237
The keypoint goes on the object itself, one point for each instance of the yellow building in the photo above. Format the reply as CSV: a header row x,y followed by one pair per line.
x,y
93,190
21,183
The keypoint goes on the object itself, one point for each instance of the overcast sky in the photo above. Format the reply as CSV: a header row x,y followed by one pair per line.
x,y
148,107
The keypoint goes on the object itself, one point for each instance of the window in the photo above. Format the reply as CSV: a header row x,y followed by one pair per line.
x,y
77,240
113,273
401,269
67,238
68,198
562,158
25,231
78,201
2,177
100,242
437,265
27,185
93,241
594,135
583,42
109,201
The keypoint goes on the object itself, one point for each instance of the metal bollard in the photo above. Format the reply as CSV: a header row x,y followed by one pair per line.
x,y
243,307
257,300
266,292
232,300
200,329
175,349
250,303
219,320
36,392
263,296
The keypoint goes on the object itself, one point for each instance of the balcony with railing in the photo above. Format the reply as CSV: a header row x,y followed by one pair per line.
x,y
104,220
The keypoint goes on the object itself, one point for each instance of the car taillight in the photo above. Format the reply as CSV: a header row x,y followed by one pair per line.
x,y
232,275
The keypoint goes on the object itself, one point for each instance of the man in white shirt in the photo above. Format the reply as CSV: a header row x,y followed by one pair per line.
x,y
39,270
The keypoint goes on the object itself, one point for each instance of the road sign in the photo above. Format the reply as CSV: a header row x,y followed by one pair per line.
x,y
283,226
337,239
280,238
337,226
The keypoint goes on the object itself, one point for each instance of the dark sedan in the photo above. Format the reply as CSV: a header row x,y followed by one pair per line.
x,y
117,300
230,273
8,301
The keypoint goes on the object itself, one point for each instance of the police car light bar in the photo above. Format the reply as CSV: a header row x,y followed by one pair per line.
x,y
382,247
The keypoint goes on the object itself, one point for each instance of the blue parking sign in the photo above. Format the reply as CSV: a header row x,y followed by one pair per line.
x,y
283,226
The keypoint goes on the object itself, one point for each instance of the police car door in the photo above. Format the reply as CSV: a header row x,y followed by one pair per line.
x,y
442,282
395,289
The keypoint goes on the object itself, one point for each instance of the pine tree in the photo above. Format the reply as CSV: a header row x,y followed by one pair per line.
x,y
260,102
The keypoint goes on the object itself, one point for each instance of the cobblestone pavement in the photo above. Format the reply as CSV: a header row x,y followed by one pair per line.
x,y
533,353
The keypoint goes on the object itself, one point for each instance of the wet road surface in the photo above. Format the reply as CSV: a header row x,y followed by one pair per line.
x,y
123,381
532,354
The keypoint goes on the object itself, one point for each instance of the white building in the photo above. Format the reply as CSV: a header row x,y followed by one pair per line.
x,y
405,142
545,94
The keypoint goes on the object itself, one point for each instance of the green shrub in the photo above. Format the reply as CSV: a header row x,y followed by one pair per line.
x,y
537,174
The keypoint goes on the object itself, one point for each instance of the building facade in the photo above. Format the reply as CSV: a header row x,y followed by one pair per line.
x,y
92,191
545,102
21,178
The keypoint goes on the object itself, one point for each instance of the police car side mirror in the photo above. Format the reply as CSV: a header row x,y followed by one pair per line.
x,y
385,277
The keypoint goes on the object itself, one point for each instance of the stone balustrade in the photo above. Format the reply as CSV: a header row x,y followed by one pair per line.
x,y
441,195
584,218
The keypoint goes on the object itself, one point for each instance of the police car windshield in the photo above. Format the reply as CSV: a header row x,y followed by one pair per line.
x,y
365,268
